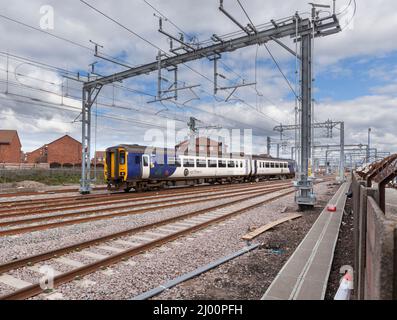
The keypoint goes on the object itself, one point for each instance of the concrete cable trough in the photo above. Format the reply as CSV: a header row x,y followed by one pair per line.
x,y
305,275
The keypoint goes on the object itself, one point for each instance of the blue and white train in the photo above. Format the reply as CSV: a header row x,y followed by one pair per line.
x,y
142,168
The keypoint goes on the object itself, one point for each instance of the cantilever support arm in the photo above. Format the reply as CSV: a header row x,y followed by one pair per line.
x,y
286,47
227,14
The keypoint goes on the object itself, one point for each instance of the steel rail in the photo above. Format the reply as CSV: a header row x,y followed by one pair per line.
x,y
46,208
36,289
95,196
148,205
53,225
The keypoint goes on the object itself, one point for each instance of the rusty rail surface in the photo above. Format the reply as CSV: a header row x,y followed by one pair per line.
x,y
35,289
52,225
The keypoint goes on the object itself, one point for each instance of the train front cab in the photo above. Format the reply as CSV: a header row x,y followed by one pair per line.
x,y
116,166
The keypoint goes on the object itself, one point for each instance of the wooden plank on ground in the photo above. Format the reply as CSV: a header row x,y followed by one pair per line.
x,y
260,230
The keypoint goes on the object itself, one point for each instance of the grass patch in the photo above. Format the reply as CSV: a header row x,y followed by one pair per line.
x,y
49,177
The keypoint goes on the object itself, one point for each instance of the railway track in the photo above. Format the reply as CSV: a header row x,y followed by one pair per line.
x,y
54,204
7,205
125,244
108,213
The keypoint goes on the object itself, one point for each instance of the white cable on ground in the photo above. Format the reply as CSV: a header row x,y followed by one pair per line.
x,y
195,273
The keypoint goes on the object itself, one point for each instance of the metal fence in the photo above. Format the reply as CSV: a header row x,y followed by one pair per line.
x,y
375,233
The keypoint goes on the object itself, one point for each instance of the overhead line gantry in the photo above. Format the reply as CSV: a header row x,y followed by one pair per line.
x,y
301,30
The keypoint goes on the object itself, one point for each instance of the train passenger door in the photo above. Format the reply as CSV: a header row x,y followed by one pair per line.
x,y
145,167
112,164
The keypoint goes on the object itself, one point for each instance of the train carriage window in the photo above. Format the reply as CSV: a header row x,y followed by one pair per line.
x,y
201,163
277,165
285,165
272,164
122,157
267,164
145,162
241,164
222,164
188,163
231,164
174,162
212,164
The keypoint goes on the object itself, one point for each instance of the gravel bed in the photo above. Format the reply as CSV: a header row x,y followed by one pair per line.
x,y
182,256
26,275
5,289
248,276
41,241
111,206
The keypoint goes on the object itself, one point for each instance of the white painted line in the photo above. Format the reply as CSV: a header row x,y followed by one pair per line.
x,y
109,248
69,262
14,282
92,255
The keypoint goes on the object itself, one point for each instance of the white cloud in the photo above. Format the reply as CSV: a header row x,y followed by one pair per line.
x,y
374,24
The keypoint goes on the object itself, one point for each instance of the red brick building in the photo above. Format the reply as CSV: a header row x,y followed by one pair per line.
x,y
202,146
64,151
99,158
10,147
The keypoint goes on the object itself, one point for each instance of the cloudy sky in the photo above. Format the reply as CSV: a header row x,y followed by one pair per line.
x,y
355,70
